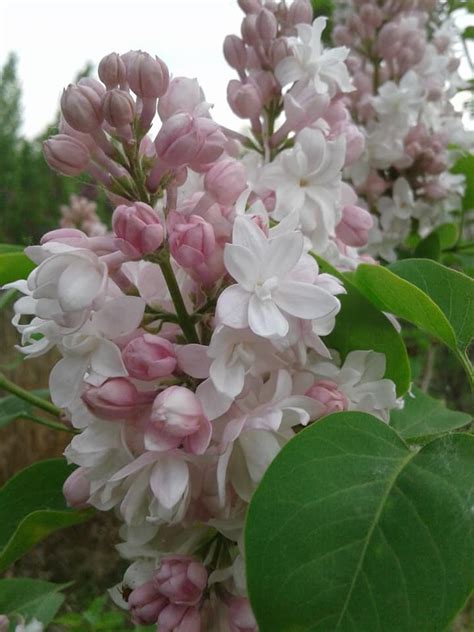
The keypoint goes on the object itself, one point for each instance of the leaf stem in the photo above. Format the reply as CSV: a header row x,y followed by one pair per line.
x,y
49,424
38,402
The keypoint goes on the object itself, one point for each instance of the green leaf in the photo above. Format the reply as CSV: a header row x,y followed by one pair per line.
x,y
32,506
452,291
468,32
465,166
436,299
361,326
14,266
351,531
10,248
423,416
429,247
12,407
31,598
447,234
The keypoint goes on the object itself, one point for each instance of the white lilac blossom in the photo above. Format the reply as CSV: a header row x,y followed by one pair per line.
x,y
271,286
193,335
309,62
405,70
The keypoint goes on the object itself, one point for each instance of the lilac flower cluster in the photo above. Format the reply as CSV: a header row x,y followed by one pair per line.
x,y
404,69
192,335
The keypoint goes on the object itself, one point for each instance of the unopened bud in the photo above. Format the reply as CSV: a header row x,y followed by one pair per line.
x,y
235,52
81,107
66,155
244,99
249,31
118,108
138,229
266,25
300,12
148,77
112,71
77,489
225,181
93,84
117,399
250,6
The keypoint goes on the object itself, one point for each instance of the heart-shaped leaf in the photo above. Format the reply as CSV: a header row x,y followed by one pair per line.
x,y
423,416
32,506
438,300
351,531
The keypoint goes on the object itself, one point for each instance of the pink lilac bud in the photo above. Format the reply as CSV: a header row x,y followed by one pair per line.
x,y
183,95
341,35
244,99
181,579
300,12
184,139
326,392
179,619
66,154
118,108
265,83
4,623
138,229
148,77
303,106
355,144
241,618
149,357
117,399
177,420
145,604
77,489
266,25
250,6
353,229
249,31
92,84
191,239
371,15
225,181
81,107
235,52
278,50
112,71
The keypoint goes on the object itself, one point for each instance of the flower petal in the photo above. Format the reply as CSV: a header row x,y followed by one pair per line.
x,y
304,300
232,307
265,319
242,265
169,480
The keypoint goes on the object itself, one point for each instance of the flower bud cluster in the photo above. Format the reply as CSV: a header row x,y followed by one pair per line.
x,y
405,73
104,125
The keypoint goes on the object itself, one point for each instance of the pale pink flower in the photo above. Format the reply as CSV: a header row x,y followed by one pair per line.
x,y
177,419
266,294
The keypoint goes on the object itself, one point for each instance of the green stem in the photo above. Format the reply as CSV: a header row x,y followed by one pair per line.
x,y
49,424
185,321
36,401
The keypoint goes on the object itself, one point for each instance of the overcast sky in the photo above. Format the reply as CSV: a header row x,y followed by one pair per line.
x,y
54,39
